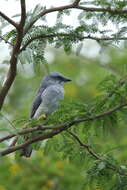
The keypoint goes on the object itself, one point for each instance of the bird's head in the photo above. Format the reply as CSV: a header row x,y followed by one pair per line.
x,y
55,78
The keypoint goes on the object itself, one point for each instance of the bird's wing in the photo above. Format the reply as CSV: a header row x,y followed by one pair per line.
x,y
38,99
36,103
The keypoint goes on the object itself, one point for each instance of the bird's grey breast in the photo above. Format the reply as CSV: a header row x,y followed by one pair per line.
x,y
50,99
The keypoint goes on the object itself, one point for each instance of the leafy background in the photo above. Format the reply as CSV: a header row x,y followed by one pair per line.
x,y
60,163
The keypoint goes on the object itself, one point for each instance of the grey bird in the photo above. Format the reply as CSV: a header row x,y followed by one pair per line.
x,y
47,99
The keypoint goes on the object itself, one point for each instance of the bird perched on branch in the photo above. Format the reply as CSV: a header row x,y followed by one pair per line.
x,y
47,99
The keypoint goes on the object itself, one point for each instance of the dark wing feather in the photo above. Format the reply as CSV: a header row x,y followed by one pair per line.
x,y
35,105
38,100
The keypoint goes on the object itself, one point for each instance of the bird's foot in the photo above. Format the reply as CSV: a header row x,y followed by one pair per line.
x,y
42,117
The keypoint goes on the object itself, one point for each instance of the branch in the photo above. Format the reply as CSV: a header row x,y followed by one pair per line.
x,y
6,41
8,19
96,156
10,76
55,130
13,61
86,146
23,13
26,131
44,12
103,10
50,135
74,6
11,72
76,2
36,139
69,34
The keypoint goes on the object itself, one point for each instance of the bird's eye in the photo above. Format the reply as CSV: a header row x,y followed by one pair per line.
x,y
58,78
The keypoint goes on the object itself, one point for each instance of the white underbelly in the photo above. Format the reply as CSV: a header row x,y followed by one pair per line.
x,y
45,109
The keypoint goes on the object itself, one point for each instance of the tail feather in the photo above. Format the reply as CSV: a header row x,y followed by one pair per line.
x,y
26,152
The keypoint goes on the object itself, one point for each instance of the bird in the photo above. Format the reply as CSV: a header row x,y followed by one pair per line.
x,y
47,99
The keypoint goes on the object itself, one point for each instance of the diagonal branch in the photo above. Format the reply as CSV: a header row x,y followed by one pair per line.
x,y
10,75
8,19
6,41
95,155
26,131
44,12
86,146
14,57
36,139
55,130
50,135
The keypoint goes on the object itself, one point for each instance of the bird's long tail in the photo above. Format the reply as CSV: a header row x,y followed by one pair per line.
x,y
26,152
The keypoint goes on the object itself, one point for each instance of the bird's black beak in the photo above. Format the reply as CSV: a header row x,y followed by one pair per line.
x,y
67,80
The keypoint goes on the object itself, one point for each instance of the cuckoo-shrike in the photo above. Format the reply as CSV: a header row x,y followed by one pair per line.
x,y
47,99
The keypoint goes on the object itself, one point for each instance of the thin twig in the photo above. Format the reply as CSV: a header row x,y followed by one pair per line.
x,y
41,36
6,41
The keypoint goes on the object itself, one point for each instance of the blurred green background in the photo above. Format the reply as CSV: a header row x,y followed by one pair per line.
x,y
56,169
